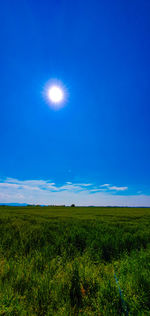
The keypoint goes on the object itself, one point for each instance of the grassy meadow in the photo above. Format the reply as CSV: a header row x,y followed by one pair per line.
x,y
74,261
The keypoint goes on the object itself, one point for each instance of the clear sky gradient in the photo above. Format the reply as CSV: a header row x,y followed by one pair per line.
x,y
100,51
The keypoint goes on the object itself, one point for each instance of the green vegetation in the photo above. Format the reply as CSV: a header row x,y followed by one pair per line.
x,y
62,261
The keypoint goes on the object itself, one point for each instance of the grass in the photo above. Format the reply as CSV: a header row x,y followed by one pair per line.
x,y
62,261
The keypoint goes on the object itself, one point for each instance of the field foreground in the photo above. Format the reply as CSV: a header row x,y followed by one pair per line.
x,y
74,261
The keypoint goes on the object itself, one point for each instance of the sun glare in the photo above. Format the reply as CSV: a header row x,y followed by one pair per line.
x,y
55,94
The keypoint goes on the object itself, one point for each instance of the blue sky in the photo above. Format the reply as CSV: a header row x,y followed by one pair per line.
x,y
99,51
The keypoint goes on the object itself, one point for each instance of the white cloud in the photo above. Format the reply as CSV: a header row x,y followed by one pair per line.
x,y
98,190
48,193
118,188
84,184
114,188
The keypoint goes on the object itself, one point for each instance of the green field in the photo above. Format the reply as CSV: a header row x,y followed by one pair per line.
x,y
74,261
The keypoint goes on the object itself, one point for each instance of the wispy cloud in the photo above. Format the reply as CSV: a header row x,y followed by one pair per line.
x,y
104,185
84,184
47,192
114,188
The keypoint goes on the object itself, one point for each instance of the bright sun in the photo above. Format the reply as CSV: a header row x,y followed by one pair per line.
x,y
55,94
